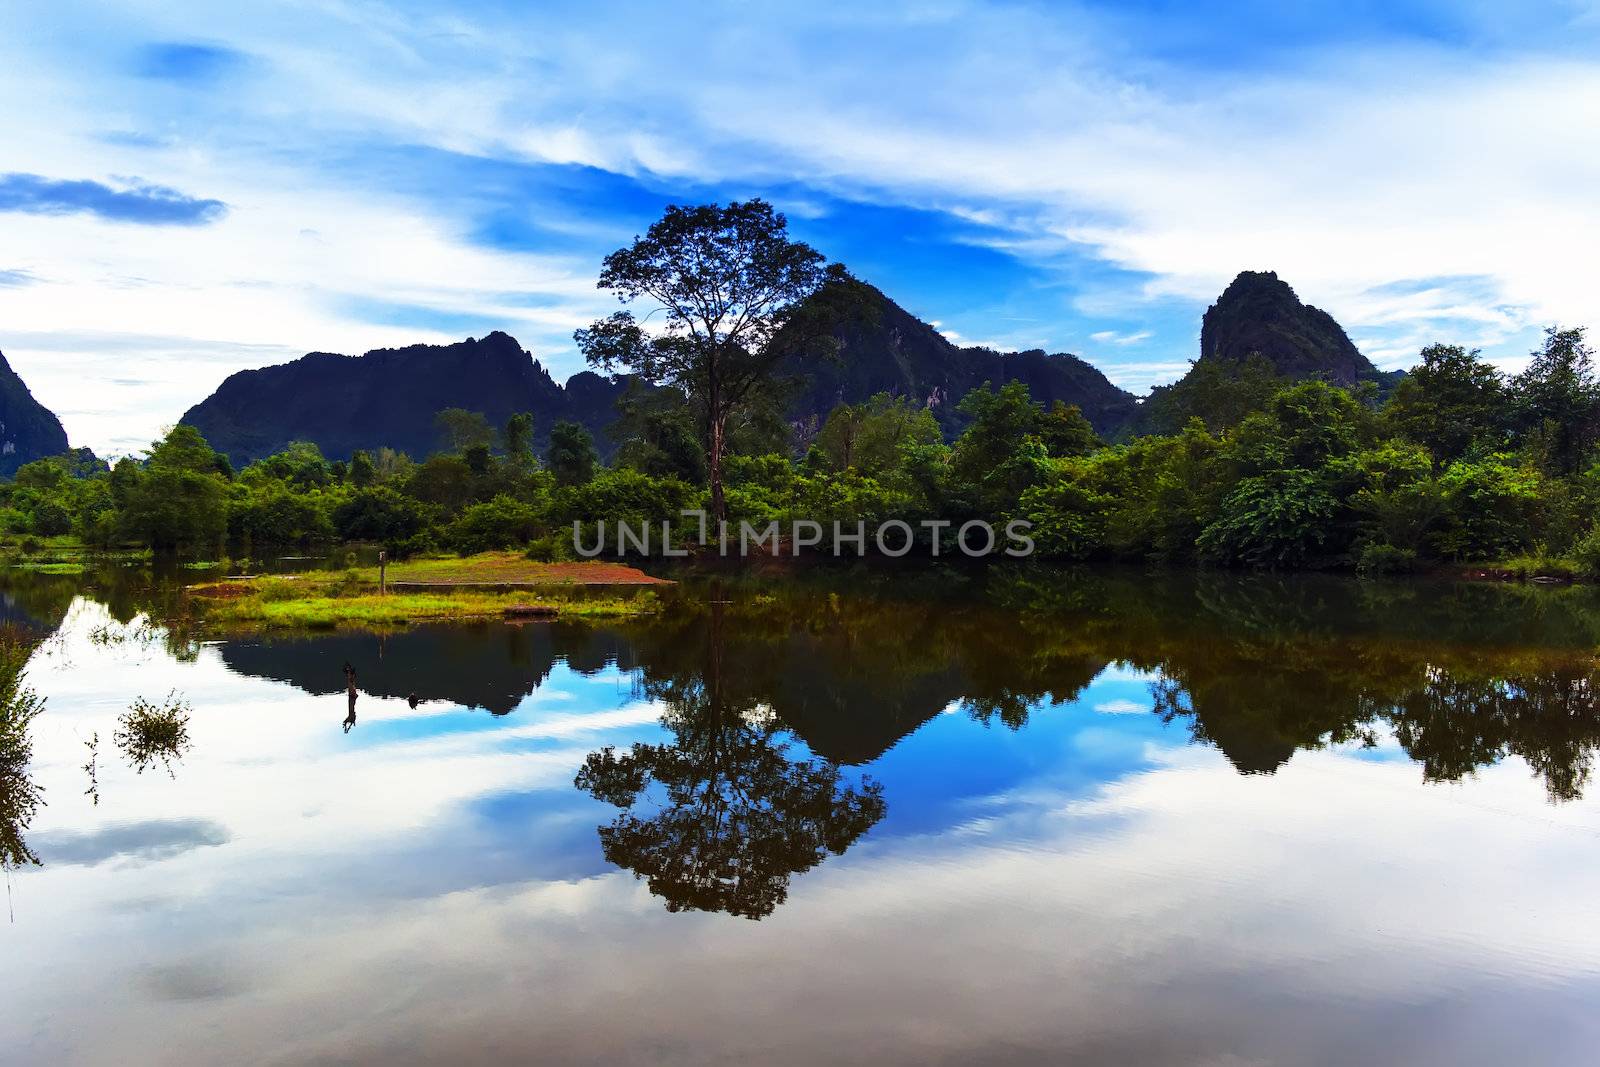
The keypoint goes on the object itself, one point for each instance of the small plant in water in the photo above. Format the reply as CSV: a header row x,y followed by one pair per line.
x,y
92,768
149,732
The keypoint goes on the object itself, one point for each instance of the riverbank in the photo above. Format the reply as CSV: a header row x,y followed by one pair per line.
x,y
490,585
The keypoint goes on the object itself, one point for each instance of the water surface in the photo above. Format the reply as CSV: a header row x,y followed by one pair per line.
x,y
1038,817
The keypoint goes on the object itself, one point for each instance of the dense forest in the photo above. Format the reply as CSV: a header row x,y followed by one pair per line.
x,y
1457,463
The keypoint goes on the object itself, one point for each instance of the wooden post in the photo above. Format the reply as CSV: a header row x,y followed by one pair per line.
x,y
383,582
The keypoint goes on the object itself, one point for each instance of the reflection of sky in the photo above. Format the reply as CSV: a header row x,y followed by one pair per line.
x,y
430,887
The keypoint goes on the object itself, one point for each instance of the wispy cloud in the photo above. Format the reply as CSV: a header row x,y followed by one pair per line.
x,y
133,201
1079,177
1112,337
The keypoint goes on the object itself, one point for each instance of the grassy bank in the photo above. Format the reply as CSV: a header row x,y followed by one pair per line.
x,y
493,585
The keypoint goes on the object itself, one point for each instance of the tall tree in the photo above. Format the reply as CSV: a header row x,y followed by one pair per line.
x,y
460,429
572,457
728,280
1557,400
1449,402
518,439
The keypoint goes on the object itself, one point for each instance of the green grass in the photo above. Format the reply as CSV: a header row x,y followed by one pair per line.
x,y
61,567
1538,565
348,601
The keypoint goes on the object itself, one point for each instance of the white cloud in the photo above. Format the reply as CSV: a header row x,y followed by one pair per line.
x,y
1354,167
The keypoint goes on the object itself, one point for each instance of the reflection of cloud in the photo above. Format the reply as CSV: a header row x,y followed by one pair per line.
x,y
136,842
1121,707
193,980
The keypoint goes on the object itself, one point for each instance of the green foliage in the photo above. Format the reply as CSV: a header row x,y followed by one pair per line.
x,y
1378,557
1490,508
173,509
1556,401
873,437
1069,517
659,435
518,440
272,513
729,283
1001,453
380,514
1450,403
443,480
460,429
1302,427
362,471
1585,554
1457,465
1220,393
1278,519
572,457
499,523
622,495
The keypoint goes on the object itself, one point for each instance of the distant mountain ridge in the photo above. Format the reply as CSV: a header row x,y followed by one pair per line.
x,y
885,349
28,429
389,397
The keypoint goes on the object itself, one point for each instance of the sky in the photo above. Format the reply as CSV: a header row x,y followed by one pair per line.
x,y
188,190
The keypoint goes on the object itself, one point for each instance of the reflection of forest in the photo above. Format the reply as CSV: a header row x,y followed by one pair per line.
x,y
1463,675
771,691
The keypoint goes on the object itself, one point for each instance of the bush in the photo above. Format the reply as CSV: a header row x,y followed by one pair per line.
x,y
1490,508
380,514
1280,519
1379,557
553,547
1069,519
1586,554
500,523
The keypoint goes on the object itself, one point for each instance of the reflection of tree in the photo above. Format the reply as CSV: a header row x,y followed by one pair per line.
x,y
737,816
19,795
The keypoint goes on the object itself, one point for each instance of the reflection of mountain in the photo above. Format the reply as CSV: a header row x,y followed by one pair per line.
x,y
478,665
1259,667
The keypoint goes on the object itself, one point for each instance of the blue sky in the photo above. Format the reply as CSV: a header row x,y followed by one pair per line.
x,y
187,190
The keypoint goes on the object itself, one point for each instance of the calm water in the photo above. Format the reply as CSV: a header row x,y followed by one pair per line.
x,y
1056,818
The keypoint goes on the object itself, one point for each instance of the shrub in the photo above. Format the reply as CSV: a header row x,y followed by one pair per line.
x,y
1490,507
1274,520
1586,553
1379,557
499,523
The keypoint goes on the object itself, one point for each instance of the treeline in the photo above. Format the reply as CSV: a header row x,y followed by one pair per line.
x,y
1460,463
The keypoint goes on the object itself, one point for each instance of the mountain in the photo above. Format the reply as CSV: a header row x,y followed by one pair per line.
x,y
389,397
1257,335
28,429
885,349
1259,314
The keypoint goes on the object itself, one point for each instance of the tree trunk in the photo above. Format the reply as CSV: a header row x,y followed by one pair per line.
x,y
719,504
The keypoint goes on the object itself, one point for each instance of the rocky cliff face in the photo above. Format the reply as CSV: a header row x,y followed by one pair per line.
x,y
1257,336
28,429
883,348
1259,314
389,397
